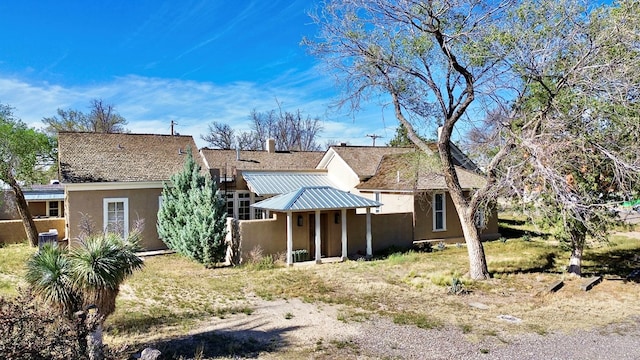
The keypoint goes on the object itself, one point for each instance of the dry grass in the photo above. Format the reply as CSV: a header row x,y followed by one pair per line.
x,y
172,295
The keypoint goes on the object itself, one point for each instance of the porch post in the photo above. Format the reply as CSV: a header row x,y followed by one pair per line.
x,y
344,234
289,239
369,248
318,252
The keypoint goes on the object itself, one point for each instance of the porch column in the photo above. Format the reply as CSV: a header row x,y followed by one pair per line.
x,y
318,252
344,234
369,248
289,239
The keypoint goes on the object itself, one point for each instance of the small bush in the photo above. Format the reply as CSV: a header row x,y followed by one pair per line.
x,y
457,287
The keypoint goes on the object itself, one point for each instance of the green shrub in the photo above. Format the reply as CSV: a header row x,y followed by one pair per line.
x,y
192,216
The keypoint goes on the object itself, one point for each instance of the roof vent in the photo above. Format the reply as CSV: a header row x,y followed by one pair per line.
x,y
120,147
343,144
180,151
54,182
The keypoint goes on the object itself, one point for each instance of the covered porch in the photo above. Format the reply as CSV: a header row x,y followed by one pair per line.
x,y
319,202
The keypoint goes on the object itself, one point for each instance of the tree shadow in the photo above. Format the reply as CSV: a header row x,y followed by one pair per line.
x,y
244,343
513,233
545,263
615,262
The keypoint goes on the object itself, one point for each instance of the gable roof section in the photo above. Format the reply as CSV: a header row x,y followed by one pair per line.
x,y
315,198
259,160
364,160
415,171
100,157
281,182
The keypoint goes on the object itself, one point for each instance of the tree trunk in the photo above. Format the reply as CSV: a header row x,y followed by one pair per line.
x,y
575,261
477,261
23,210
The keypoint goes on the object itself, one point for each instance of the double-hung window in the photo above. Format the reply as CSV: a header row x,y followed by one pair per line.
x,y
116,216
439,212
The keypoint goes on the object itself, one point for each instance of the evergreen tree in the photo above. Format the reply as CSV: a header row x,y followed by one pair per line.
x,y
192,217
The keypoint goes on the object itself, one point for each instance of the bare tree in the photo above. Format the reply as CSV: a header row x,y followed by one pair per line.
x,y
220,136
425,56
102,117
291,130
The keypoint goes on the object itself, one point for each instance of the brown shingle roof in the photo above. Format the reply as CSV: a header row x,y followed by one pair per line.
x,y
364,160
260,160
416,171
99,157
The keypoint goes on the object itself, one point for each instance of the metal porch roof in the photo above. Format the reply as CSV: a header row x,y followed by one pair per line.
x,y
315,198
43,196
274,183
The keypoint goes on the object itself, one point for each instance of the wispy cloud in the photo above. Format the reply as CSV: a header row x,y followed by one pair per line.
x,y
149,104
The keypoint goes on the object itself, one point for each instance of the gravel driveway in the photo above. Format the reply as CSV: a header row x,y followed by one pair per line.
x,y
304,330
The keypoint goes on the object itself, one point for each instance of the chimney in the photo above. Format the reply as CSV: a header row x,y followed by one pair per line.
x,y
271,145
343,144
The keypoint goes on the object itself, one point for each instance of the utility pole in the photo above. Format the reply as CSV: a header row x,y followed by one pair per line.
x,y
374,137
172,124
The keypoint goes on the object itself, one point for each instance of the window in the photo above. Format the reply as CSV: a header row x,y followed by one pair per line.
x,y
116,216
229,198
377,198
258,213
53,208
244,200
439,212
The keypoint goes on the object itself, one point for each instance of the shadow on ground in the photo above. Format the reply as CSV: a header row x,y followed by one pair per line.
x,y
221,343
616,262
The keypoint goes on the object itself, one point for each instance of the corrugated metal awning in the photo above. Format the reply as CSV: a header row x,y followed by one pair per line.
x,y
315,198
274,183
43,197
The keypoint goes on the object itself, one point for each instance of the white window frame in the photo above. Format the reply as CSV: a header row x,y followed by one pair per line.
x,y
443,211
49,208
105,213
376,197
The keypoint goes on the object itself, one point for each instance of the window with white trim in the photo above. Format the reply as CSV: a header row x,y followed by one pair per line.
x,y
116,216
439,212
244,200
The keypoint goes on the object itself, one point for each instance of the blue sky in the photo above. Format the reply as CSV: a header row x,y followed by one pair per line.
x,y
189,61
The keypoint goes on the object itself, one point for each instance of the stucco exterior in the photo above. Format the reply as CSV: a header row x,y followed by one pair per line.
x,y
271,234
12,231
143,204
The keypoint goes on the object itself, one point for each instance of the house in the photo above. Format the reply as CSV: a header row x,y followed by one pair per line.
x,y
231,169
414,182
405,180
112,181
44,201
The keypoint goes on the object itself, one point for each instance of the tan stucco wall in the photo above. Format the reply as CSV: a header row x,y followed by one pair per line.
x,y
143,204
271,234
453,233
12,231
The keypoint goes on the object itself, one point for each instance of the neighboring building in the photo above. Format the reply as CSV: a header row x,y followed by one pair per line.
x,y
45,201
114,180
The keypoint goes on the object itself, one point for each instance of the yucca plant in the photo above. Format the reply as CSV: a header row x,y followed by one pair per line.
x,y
89,274
51,279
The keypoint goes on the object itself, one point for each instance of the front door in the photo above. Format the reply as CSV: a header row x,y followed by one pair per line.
x,y
324,231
